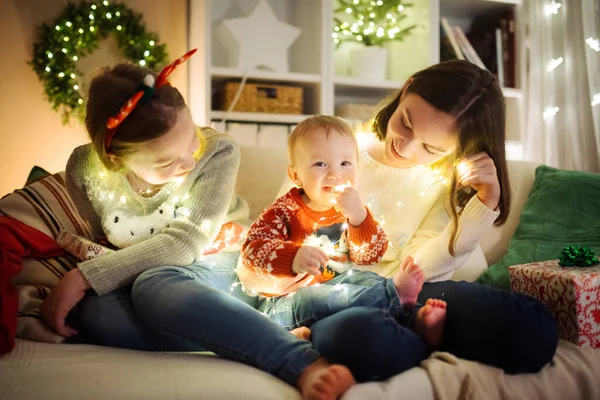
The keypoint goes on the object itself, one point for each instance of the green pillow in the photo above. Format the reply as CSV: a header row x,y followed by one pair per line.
x,y
563,209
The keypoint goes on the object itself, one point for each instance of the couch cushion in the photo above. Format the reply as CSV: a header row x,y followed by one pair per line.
x,y
562,209
46,206
261,172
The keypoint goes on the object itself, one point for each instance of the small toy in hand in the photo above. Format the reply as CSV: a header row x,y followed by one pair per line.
x,y
577,256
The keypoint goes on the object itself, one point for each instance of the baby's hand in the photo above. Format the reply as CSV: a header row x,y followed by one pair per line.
x,y
309,259
351,205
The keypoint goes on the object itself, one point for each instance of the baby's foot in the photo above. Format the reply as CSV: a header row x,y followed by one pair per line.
x,y
409,282
302,333
429,323
322,381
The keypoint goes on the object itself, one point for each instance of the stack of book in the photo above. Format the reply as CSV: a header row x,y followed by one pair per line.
x,y
490,43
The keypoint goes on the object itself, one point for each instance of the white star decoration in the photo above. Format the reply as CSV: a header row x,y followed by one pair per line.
x,y
258,40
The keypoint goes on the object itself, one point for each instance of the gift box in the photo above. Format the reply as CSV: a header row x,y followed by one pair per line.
x,y
572,294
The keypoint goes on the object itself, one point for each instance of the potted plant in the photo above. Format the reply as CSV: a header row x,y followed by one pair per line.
x,y
371,23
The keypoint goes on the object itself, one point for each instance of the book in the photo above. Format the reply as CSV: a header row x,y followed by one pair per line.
x,y
498,53
450,35
467,48
500,57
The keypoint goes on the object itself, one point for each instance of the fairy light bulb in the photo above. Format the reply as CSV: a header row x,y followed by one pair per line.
x,y
461,168
142,62
119,27
552,8
593,43
151,43
549,112
555,63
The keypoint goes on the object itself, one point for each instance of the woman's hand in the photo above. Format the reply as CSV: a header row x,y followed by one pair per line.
x,y
55,308
479,172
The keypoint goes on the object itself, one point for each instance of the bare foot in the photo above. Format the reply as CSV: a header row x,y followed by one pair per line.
x,y
429,323
302,333
322,381
409,282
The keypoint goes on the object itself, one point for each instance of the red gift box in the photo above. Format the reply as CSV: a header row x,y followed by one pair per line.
x,y
572,294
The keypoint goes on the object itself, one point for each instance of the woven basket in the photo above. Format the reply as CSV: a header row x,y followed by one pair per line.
x,y
258,97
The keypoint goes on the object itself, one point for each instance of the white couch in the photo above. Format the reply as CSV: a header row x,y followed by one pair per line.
x,y
59,371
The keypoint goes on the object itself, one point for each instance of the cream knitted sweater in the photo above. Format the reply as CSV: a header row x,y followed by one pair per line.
x,y
172,227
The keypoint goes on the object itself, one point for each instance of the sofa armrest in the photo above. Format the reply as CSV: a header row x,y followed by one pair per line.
x,y
495,242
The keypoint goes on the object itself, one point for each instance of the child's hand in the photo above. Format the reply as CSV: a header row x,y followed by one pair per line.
x,y
351,205
309,259
479,172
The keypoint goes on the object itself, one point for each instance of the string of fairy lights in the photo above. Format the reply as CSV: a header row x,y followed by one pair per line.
x,y
554,8
370,22
76,33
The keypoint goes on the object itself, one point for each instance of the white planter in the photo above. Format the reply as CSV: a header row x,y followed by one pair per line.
x,y
369,62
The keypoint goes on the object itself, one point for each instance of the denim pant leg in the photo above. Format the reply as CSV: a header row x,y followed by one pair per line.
x,y
511,331
111,320
370,342
199,303
313,303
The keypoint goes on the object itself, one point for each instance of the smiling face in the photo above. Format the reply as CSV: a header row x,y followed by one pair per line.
x,y
168,157
322,161
418,134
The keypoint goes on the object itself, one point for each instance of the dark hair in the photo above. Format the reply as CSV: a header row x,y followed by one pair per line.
x,y
150,119
472,96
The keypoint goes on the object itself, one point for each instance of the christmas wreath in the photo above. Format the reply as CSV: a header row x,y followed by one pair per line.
x,y
77,33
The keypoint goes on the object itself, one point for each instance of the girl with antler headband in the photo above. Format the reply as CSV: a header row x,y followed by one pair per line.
x,y
161,190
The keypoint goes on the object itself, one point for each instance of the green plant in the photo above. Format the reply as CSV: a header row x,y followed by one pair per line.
x,y
371,22
76,33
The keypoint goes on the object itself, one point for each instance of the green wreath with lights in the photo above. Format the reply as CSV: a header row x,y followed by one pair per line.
x,y
77,33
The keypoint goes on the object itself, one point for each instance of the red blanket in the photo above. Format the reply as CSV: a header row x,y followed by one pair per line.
x,y
17,241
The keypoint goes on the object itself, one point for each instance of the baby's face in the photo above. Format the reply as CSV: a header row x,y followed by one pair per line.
x,y
321,164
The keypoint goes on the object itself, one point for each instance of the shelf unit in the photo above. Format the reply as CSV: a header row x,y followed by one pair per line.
x,y
315,65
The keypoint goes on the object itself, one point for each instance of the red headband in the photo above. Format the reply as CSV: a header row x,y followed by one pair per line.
x,y
149,84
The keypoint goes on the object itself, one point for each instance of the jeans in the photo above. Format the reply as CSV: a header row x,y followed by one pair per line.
x,y
496,327
200,304
350,289
202,307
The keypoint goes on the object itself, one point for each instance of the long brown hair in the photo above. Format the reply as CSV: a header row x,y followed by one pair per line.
x,y
150,119
472,96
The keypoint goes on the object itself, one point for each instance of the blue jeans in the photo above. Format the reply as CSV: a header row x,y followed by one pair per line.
x,y
496,327
350,289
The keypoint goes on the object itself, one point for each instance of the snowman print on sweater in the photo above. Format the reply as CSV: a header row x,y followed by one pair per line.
x,y
124,230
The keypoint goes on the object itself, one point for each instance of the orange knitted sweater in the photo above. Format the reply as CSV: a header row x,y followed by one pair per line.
x,y
285,226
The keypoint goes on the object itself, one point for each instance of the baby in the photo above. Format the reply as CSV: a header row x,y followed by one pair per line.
x,y
318,232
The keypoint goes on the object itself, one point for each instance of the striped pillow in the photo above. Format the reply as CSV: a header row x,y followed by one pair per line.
x,y
46,206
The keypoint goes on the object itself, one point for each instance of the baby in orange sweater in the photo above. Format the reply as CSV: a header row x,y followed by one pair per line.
x,y
301,253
